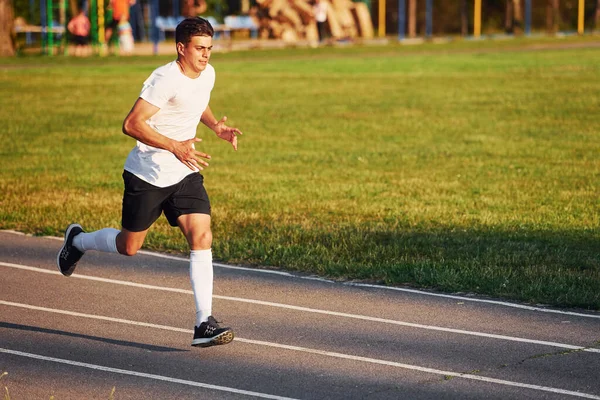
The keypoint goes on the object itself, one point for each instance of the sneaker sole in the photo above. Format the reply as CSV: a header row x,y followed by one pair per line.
x,y
223,338
70,271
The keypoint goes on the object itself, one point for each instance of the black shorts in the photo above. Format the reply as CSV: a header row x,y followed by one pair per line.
x,y
80,40
143,203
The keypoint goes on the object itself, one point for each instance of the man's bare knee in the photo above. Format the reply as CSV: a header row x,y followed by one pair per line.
x,y
127,246
201,240
129,251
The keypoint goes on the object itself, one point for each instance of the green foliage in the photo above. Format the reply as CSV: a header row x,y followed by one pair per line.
x,y
30,14
456,167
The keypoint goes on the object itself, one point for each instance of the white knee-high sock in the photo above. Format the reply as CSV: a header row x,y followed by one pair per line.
x,y
201,275
103,240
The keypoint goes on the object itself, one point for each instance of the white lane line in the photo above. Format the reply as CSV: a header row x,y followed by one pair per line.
x,y
317,352
142,375
427,370
92,316
463,298
366,285
315,311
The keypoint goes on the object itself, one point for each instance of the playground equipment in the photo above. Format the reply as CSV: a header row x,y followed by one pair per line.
x,y
52,33
52,29
97,20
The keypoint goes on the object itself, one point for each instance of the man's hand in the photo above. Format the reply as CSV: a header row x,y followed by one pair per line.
x,y
185,152
227,133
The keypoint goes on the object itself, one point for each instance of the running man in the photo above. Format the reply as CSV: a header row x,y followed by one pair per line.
x,y
162,171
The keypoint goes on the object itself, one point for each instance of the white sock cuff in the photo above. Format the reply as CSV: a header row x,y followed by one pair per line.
x,y
202,316
103,240
201,275
111,239
201,255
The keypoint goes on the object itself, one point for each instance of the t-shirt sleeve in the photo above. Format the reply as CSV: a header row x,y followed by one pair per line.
x,y
213,76
157,90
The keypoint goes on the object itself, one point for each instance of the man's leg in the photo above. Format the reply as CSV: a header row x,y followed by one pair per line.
x,y
196,228
107,240
128,243
142,205
77,242
104,240
111,240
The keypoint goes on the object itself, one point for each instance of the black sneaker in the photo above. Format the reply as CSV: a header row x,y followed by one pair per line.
x,y
209,333
69,255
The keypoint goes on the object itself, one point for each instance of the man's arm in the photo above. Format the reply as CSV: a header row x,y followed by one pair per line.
x,y
135,126
223,131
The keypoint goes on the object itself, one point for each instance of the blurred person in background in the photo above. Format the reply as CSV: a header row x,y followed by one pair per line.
x,y
320,8
193,8
79,27
126,43
120,10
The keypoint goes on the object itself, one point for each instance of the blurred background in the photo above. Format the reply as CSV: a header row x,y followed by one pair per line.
x,y
43,24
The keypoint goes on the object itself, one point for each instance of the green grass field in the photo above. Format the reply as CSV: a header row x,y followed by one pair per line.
x,y
470,167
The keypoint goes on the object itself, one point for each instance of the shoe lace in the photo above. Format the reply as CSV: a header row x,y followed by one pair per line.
x,y
64,254
211,326
210,330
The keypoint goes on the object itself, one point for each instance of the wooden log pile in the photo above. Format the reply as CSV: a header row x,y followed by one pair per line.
x,y
293,20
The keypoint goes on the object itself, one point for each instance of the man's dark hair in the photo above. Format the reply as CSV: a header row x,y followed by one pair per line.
x,y
190,27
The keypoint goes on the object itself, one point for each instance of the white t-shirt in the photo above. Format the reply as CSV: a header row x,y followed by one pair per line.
x,y
182,101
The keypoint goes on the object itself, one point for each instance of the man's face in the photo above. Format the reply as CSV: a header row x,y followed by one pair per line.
x,y
197,52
